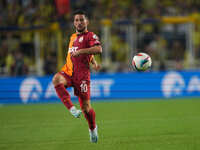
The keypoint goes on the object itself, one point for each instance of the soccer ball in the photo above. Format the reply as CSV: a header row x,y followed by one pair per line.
x,y
141,61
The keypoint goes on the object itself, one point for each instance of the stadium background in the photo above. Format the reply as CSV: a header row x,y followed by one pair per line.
x,y
33,40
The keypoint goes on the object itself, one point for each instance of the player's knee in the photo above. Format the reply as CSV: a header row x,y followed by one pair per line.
x,y
86,107
56,79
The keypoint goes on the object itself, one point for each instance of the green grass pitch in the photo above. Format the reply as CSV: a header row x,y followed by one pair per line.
x,y
129,125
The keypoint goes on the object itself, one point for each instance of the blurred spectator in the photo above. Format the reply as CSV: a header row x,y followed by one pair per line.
x,y
119,49
196,42
50,64
157,49
12,41
3,54
10,60
19,68
62,7
177,54
177,51
164,42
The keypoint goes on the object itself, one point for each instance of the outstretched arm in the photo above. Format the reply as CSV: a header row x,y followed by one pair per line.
x,y
92,50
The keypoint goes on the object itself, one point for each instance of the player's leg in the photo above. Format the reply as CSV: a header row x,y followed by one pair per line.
x,y
90,116
88,112
82,90
60,82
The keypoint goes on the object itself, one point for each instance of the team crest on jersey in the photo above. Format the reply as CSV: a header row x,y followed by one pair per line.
x,y
80,39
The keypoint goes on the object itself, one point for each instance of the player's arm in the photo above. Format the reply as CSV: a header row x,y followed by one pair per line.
x,y
97,49
94,63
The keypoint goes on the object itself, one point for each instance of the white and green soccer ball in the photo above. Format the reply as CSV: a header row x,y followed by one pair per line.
x,y
142,62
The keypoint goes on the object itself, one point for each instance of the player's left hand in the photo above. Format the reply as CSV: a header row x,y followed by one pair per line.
x,y
96,66
75,54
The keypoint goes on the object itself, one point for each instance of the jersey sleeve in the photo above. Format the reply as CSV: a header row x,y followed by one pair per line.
x,y
93,40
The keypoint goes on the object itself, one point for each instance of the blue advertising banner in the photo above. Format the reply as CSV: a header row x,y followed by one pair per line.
x,y
105,86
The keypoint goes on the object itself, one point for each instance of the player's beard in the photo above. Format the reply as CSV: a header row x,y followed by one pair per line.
x,y
81,30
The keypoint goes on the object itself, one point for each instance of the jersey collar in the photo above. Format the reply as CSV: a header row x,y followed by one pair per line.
x,y
82,32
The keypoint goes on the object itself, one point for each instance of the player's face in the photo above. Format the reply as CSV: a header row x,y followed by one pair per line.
x,y
80,23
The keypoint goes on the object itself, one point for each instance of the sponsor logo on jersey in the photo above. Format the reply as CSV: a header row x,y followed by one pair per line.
x,y
73,49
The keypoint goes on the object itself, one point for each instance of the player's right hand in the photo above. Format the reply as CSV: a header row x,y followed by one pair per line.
x,y
75,53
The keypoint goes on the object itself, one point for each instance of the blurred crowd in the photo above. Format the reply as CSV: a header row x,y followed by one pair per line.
x,y
162,41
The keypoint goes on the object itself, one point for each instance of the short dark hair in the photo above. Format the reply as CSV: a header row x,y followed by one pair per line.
x,y
80,12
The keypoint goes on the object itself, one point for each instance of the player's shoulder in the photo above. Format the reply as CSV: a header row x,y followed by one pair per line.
x,y
92,35
73,35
